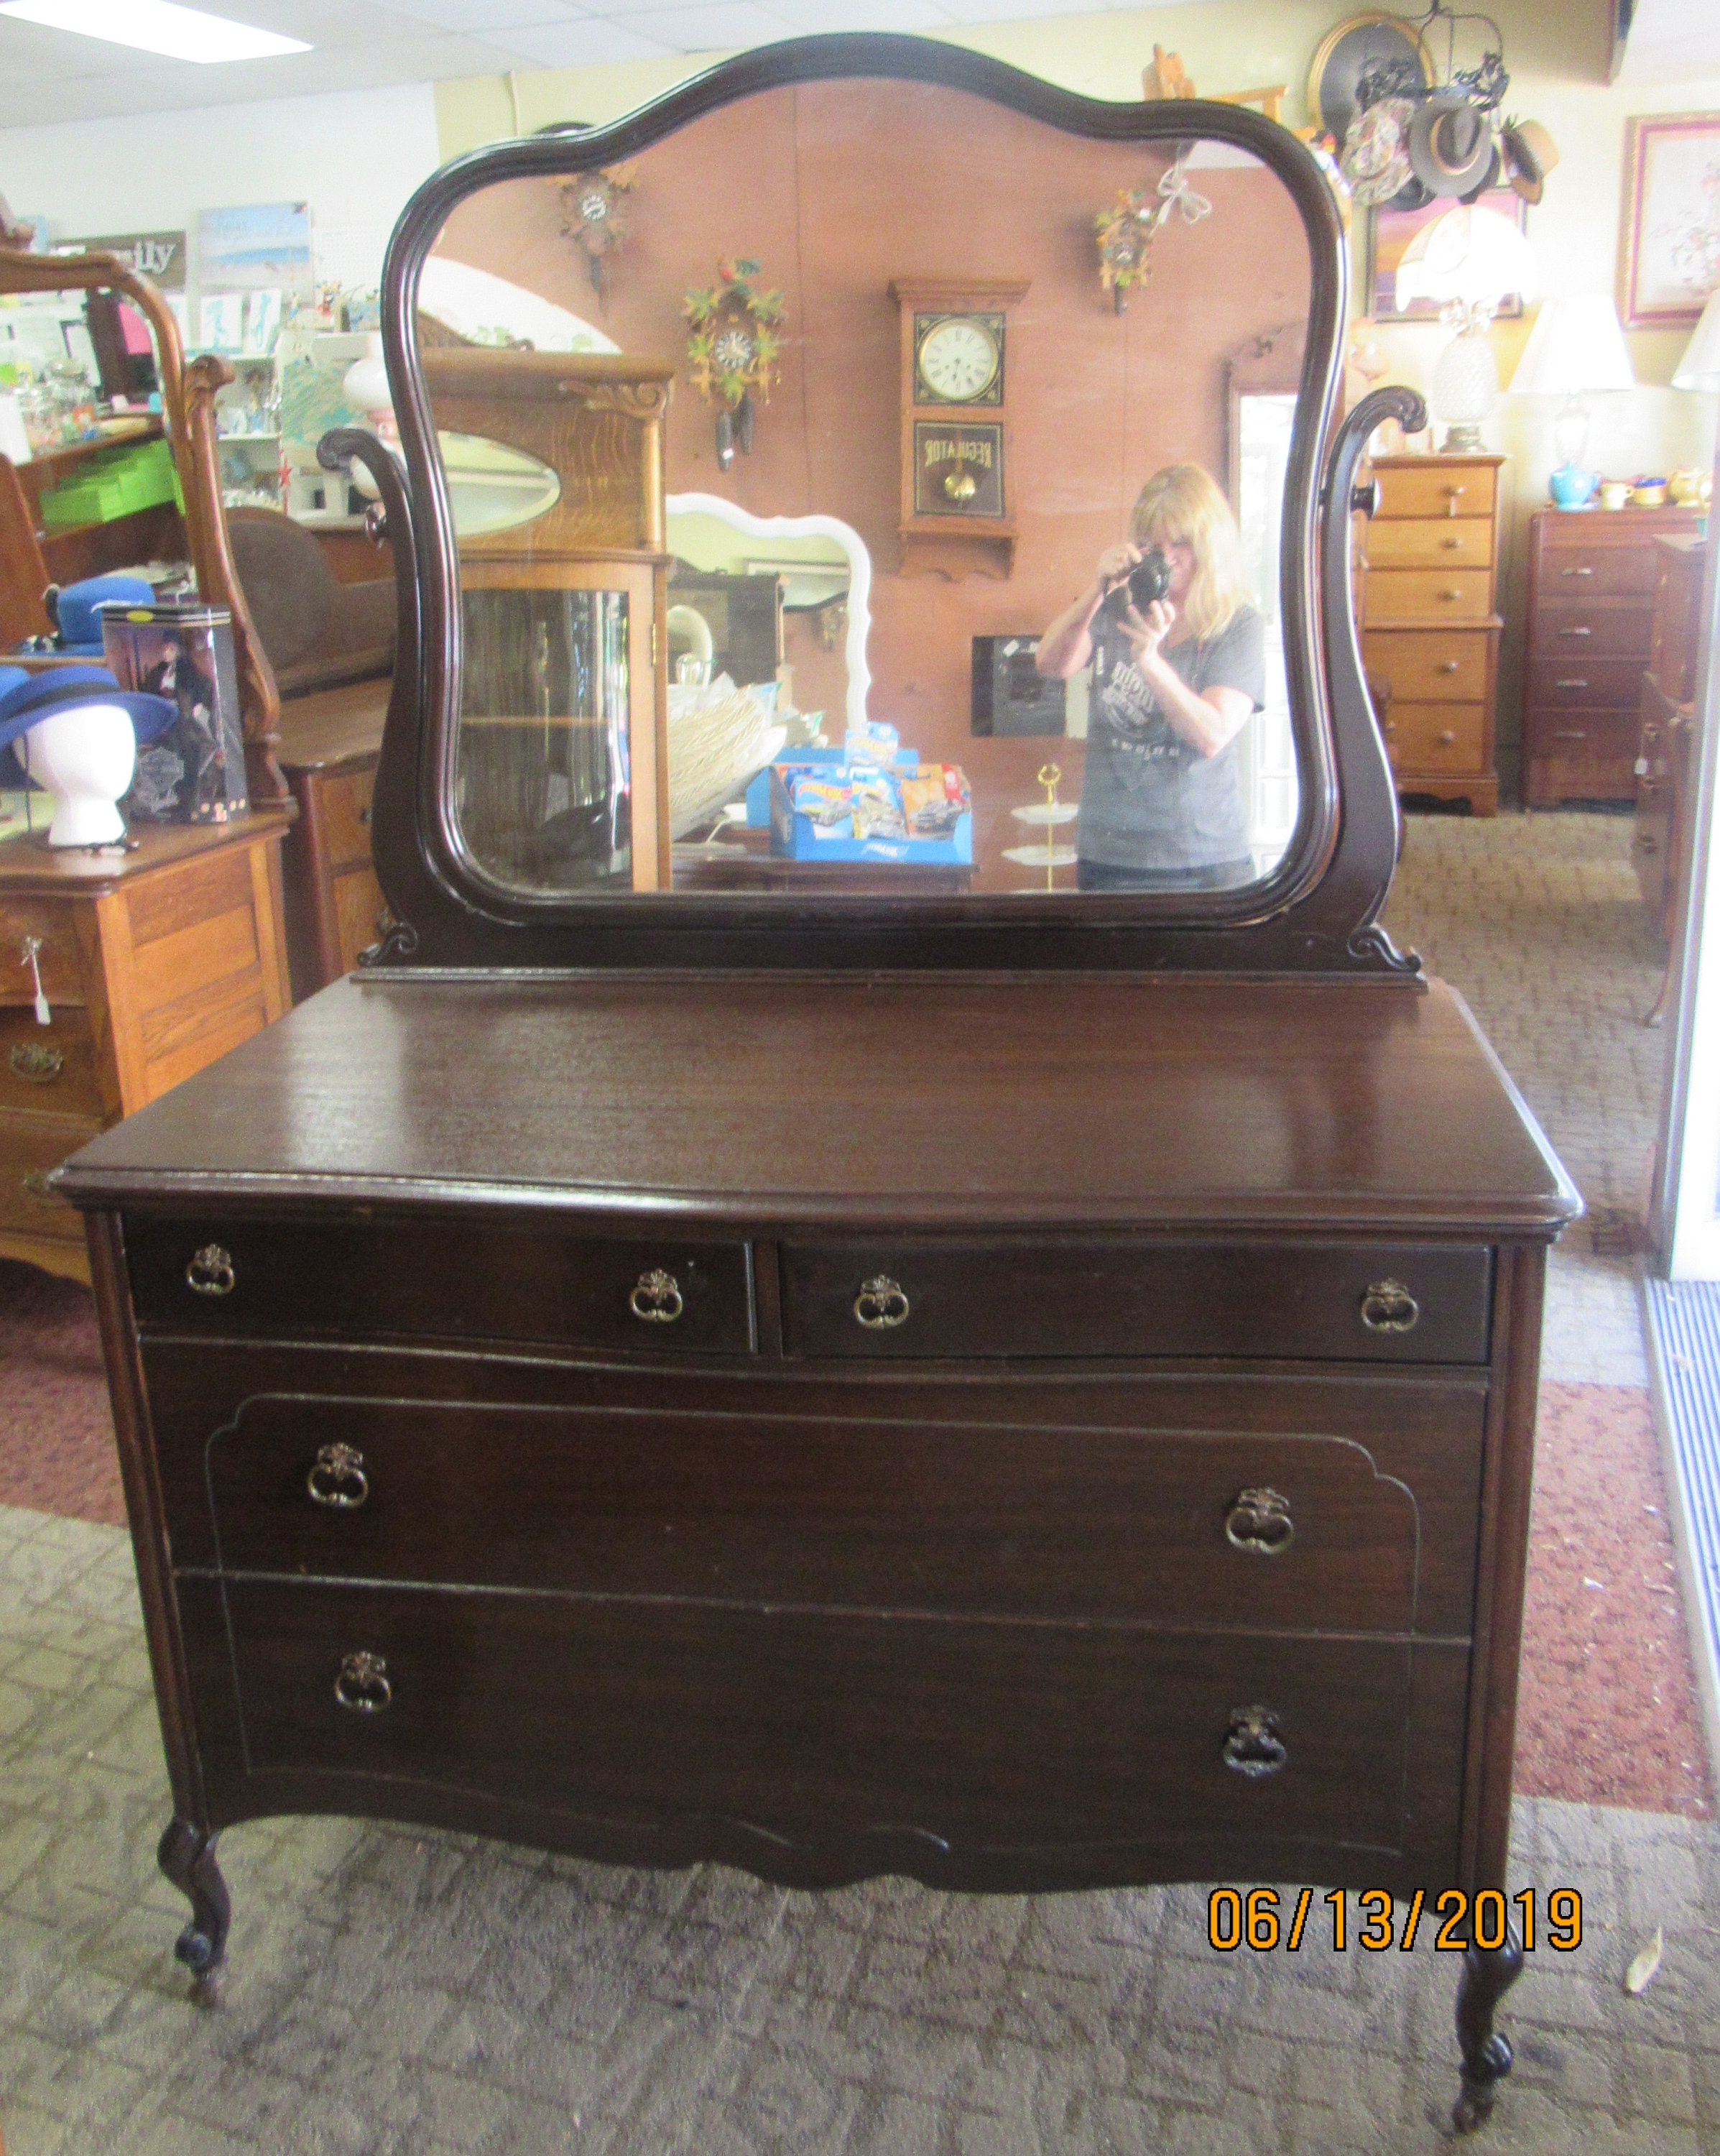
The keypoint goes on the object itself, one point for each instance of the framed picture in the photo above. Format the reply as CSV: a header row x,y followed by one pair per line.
x,y
1388,234
1672,226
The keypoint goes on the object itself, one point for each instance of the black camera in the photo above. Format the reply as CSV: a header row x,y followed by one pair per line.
x,y
1149,580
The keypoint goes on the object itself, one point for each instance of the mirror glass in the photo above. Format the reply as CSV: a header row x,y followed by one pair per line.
x,y
789,460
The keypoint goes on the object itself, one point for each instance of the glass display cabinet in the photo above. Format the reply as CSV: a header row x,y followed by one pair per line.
x,y
889,1366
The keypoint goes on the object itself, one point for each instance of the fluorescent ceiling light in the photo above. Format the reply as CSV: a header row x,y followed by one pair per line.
x,y
155,26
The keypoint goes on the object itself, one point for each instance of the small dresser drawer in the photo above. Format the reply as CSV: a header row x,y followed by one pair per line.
x,y
1596,571
48,1069
1430,543
1436,737
1434,664
1429,594
346,802
31,1147
52,929
439,1280
1246,1530
1442,490
1586,756
1580,683
1370,1302
979,1739
1608,631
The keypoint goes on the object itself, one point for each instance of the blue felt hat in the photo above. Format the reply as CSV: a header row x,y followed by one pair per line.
x,y
26,698
76,609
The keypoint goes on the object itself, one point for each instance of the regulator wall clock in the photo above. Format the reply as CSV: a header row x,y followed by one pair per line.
x,y
956,519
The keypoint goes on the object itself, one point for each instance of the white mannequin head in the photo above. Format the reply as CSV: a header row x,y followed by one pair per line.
x,y
84,755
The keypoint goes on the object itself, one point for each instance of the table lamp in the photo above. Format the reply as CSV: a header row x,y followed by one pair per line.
x,y
1576,349
1467,261
1700,367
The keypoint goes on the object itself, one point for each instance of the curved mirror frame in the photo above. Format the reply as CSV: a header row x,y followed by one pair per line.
x,y
1303,915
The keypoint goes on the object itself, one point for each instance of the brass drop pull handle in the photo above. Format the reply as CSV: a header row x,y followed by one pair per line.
x,y
656,1298
361,1683
339,1479
1388,1306
35,1062
881,1306
1253,1745
211,1271
1259,1522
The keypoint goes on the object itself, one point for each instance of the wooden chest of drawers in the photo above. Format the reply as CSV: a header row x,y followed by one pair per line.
x,y
1430,629
152,963
1592,577
946,1496
330,744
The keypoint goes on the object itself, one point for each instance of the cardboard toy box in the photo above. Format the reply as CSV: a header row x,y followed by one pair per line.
x,y
795,837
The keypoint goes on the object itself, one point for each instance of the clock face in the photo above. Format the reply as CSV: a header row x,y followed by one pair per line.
x,y
958,359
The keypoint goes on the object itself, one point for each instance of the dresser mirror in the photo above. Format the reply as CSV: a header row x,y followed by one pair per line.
x,y
784,563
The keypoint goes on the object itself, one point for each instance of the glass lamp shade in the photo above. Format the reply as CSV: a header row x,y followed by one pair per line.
x,y
1464,388
1700,367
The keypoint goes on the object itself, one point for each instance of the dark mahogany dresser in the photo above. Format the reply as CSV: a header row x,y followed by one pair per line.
x,y
1023,1391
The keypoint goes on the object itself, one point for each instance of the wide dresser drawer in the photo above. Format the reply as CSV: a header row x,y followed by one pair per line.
x,y
1431,594
440,1279
1263,1528
47,930
960,1736
31,1148
1573,629
1597,568
50,1068
1370,1302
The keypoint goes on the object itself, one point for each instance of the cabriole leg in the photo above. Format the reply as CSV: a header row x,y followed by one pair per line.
x,y
1488,1973
187,1855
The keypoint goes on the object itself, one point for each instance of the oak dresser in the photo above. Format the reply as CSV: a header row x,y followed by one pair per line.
x,y
1430,621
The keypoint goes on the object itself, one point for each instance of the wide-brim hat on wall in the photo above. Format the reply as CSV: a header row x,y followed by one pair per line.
x,y
26,698
1451,146
1354,46
1530,154
1376,151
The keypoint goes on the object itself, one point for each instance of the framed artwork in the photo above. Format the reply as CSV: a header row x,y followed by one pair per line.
x,y
1388,234
1672,225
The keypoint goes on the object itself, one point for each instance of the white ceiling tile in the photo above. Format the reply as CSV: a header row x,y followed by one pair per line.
x,y
811,16
482,18
728,26
585,43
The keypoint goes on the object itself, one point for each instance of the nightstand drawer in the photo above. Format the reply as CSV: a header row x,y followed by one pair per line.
x,y
48,1069
347,817
1396,1303
982,1740
1429,665
31,1147
441,1279
52,929
1444,490
1436,737
1438,594
1429,543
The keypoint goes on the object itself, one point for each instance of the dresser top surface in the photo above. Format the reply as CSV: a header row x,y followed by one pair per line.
x,y
930,1101
30,868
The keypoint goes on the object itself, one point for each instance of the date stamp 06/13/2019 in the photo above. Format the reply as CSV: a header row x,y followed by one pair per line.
x,y
1256,1918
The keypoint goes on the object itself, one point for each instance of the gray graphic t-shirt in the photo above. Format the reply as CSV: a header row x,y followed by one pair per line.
x,y
1149,800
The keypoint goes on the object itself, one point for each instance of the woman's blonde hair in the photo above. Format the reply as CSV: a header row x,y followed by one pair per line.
x,y
1182,502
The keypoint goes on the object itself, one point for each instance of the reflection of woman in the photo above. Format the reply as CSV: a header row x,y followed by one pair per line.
x,y
1161,798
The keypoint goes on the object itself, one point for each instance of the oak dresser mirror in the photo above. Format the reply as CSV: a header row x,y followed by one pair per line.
x,y
802,599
